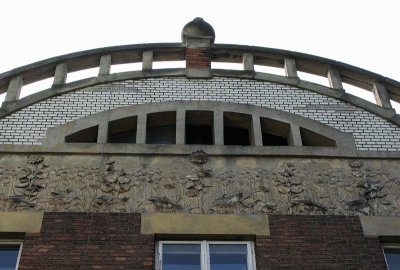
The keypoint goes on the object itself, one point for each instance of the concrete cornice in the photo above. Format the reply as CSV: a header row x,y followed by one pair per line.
x,y
184,150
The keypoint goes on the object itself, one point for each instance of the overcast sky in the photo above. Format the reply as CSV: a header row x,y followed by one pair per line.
x,y
363,33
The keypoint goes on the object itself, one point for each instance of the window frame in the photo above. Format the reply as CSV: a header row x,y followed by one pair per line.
x,y
13,243
389,246
205,252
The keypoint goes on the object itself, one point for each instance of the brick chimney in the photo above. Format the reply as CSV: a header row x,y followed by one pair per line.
x,y
198,36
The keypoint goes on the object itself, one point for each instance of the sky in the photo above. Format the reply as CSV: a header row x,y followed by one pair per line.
x,y
362,33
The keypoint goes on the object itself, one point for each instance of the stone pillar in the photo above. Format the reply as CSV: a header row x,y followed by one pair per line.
x,y
60,75
14,89
147,60
141,128
295,136
105,65
198,36
102,134
256,130
335,81
180,126
248,62
290,68
218,128
381,95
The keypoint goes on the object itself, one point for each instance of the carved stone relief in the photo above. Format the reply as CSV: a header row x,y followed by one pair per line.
x,y
202,184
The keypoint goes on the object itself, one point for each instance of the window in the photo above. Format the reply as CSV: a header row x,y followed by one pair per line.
x,y
237,129
310,138
161,128
199,127
392,257
9,256
88,135
274,132
205,255
122,130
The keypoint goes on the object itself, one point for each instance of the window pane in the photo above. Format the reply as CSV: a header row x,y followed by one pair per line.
x,y
8,257
181,257
392,256
228,257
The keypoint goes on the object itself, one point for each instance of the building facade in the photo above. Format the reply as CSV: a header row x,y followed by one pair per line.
x,y
195,167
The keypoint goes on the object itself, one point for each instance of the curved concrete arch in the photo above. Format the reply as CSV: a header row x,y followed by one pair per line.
x,y
56,135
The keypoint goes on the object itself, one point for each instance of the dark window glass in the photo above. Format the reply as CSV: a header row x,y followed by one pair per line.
x,y
392,256
8,257
228,257
181,257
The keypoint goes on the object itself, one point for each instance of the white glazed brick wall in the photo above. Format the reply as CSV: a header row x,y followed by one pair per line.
x,y
29,125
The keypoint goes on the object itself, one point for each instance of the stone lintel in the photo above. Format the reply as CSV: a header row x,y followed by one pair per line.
x,y
380,225
198,72
177,223
14,222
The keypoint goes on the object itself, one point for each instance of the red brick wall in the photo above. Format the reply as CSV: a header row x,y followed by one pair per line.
x,y
198,58
317,242
88,241
113,241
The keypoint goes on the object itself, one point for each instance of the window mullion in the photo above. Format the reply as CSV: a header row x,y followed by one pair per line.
x,y
205,255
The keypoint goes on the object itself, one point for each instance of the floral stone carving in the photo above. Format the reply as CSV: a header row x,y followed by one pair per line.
x,y
202,184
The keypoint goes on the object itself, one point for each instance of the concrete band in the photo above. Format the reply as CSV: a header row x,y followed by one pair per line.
x,y
205,224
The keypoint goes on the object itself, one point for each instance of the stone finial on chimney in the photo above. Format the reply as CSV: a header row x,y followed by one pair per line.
x,y
198,37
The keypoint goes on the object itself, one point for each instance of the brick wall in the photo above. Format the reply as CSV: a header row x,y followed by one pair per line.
x,y
71,241
317,242
29,125
198,58
113,241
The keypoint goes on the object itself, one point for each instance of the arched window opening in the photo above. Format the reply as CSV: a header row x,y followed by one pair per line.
x,y
122,130
237,128
87,135
274,133
199,127
310,138
161,128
